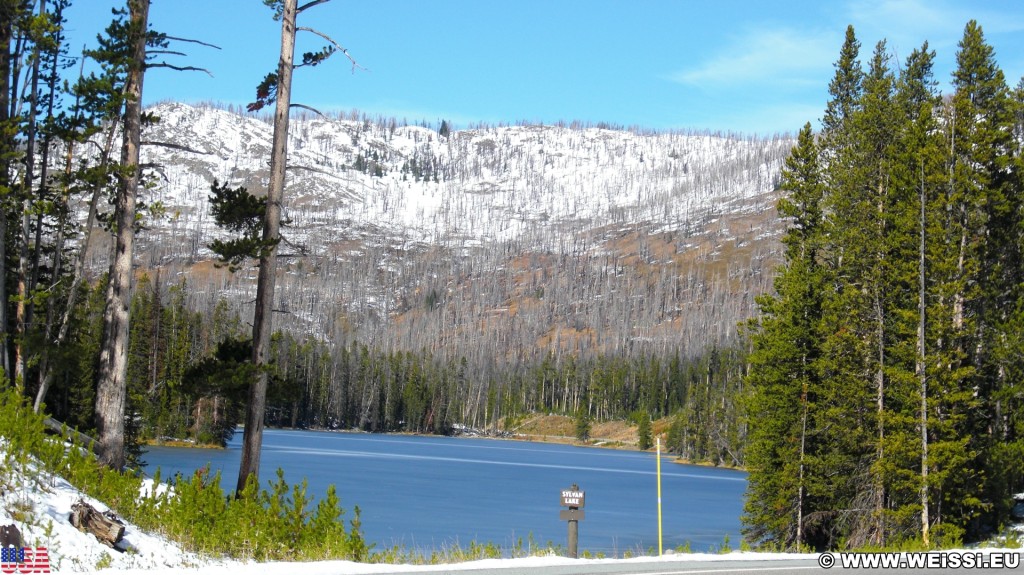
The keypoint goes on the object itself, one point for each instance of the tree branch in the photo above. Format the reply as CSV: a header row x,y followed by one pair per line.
x,y
303,250
174,147
96,144
337,46
156,167
311,109
171,52
179,68
310,4
190,40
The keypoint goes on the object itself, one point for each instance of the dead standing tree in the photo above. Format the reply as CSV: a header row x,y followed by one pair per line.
x,y
128,48
275,87
111,391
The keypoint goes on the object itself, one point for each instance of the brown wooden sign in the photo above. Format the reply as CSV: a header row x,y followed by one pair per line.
x,y
573,498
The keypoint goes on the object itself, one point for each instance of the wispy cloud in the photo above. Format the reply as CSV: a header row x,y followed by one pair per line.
x,y
906,24
915,20
767,57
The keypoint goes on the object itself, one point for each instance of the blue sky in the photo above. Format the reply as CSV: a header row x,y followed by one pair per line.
x,y
731,65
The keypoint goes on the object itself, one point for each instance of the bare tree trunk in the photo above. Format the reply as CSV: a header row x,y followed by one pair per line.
x,y
253,436
7,16
23,306
879,536
922,374
803,451
880,316
111,392
46,372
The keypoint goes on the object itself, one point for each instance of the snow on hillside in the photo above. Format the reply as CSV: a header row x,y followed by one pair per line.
x,y
377,179
40,505
381,214
384,216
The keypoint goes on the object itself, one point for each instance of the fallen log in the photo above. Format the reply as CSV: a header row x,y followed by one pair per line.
x,y
108,529
70,434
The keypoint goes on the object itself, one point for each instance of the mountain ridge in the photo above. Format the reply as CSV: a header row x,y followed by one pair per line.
x,y
527,234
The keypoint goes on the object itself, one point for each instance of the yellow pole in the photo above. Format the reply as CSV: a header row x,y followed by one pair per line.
x,y
659,497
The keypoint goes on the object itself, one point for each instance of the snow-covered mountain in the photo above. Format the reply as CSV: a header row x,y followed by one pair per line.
x,y
540,236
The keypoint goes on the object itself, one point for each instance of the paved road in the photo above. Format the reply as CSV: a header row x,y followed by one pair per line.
x,y
668,566
652,568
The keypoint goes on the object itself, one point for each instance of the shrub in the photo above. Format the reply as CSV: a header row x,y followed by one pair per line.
x,y
264,524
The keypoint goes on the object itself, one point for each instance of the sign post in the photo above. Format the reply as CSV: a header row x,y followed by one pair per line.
x,y
659,495
574,499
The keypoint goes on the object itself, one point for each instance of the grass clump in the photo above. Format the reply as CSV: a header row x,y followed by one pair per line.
x,y
457,553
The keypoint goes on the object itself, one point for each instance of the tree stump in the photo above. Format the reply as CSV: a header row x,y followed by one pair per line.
x,y
105,527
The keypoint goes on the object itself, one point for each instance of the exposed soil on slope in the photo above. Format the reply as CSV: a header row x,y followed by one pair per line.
x,y
620,434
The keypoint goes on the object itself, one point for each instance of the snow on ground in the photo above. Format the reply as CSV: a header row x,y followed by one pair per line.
x,y
1018,513
46,501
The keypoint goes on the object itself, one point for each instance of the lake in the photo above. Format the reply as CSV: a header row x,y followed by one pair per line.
x,y
430,492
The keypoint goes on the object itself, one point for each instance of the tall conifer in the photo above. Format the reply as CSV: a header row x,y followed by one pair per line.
x,y
983,194
783,379
906,419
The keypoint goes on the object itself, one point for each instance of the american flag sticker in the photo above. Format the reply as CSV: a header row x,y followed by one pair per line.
x,y
24,560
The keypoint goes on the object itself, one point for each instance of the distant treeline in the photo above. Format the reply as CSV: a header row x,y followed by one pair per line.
x,y
188,374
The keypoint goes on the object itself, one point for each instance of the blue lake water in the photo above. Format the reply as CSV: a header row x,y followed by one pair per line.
x,y
429,492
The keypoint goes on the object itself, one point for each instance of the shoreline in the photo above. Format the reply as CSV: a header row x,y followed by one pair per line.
x,y
593,443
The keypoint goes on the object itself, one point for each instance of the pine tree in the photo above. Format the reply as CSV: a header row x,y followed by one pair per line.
x,y
582,424
1008,399
983,197
783,378
12,15
96,113
921,169
238,211
992,160
645,438
38,197
844,89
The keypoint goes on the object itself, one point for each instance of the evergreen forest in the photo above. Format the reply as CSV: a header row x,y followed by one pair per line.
x,y
885,373
188,372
